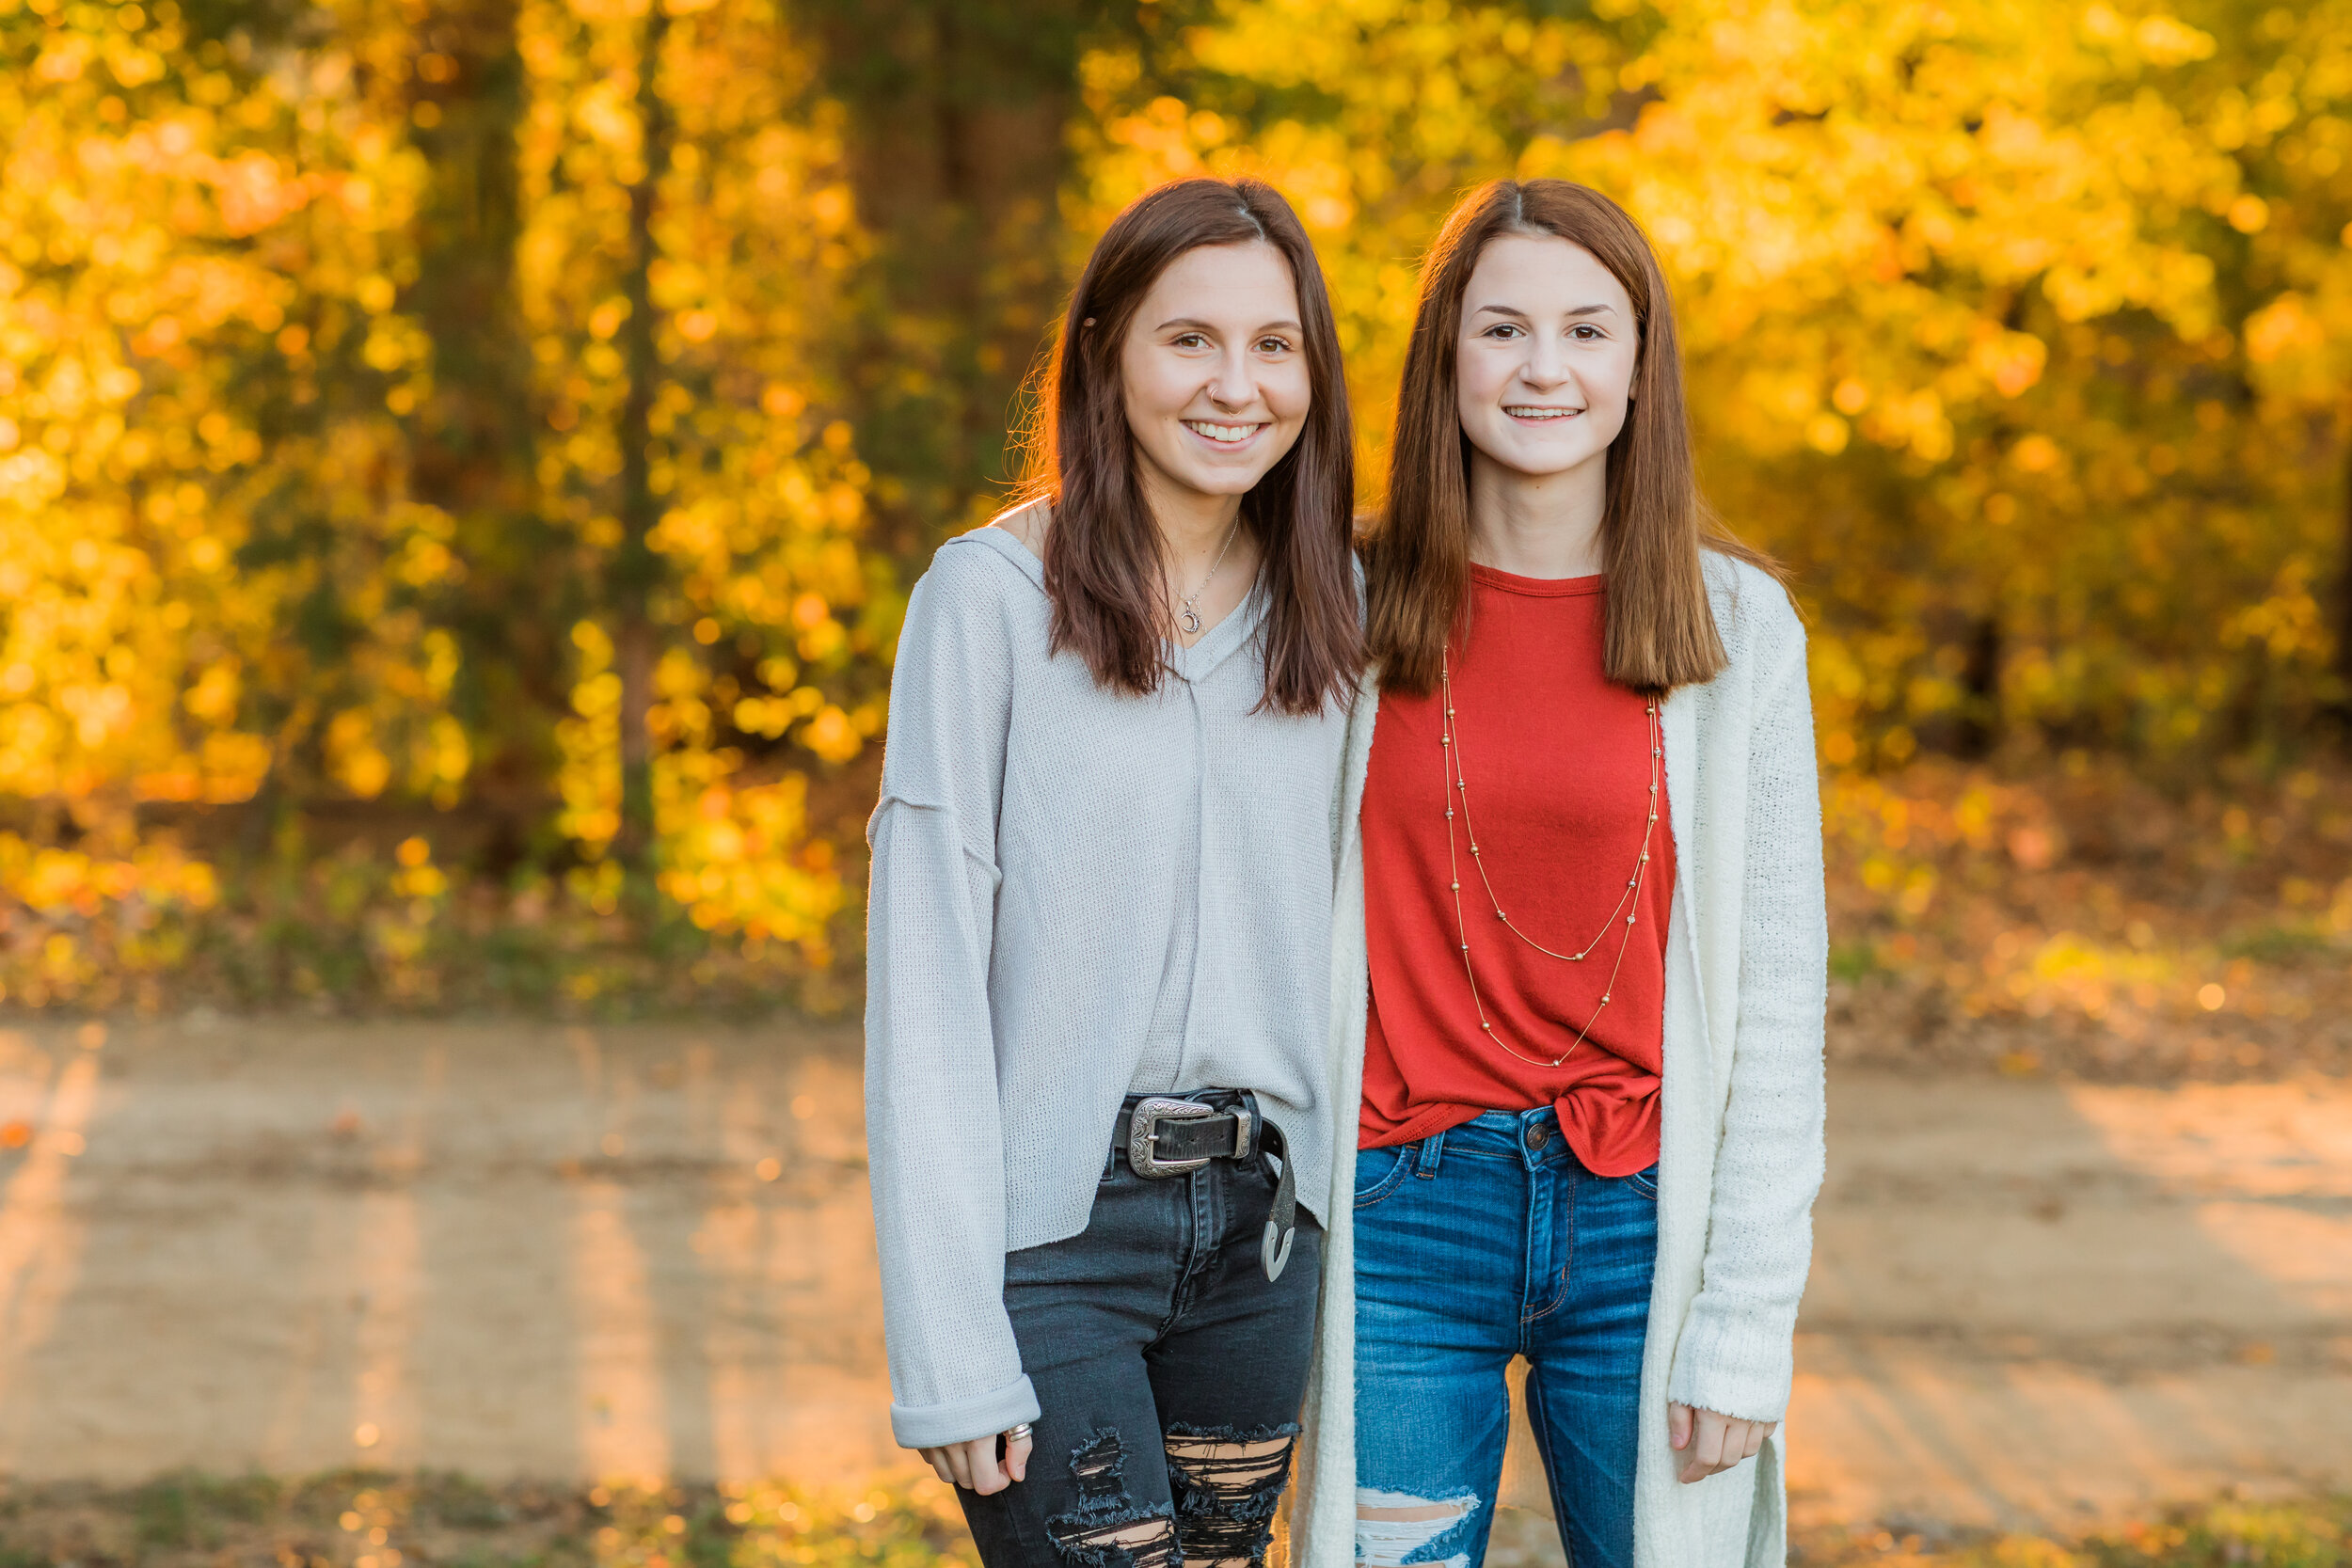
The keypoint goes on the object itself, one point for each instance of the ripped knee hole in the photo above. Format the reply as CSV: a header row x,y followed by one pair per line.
x,y
1228,1485
1391,1527
1107,1530
1137,1540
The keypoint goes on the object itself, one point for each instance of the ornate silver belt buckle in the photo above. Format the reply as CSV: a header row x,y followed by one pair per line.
x,y
1145,1124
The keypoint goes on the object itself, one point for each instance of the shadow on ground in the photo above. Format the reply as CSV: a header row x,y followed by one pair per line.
x,y
538,1251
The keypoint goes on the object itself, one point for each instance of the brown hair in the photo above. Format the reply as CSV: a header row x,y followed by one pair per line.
x,y
1660,630
1104,553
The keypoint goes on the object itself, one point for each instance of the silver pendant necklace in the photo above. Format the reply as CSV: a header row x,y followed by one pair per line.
x,y
1188,618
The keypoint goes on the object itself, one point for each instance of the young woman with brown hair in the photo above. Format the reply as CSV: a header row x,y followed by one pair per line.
x,y
1097,1098
1589,966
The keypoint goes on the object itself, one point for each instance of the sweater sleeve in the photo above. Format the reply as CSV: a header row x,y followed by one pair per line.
x,y
933,1137
1736,1351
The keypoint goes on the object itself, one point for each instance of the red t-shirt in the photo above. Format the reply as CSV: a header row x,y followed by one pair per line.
x,y
1558,763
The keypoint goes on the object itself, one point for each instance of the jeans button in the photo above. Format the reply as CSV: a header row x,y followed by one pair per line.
x,y
1537,1137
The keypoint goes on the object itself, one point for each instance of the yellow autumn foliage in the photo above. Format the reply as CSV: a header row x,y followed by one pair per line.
x,y
2015,329
413,410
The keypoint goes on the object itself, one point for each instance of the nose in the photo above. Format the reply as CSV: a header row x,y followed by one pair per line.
x,y
1547,363
1233,382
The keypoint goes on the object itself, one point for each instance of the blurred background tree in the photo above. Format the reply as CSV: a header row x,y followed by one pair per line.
x,y
2001,318
461,460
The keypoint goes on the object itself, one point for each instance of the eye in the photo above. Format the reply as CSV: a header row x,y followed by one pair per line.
x,y
1191,340
1502,330
1585,332
1273,345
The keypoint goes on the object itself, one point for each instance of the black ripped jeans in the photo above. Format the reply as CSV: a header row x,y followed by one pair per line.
x,y
1168,1371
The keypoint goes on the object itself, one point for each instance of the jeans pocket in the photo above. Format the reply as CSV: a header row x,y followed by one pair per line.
x,y
1644,1183
1379,1171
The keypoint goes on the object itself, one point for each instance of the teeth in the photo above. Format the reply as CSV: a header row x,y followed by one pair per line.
x,y
1541,412
1221,432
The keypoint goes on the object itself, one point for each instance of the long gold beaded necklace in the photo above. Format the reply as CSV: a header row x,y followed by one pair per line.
x,y
1457,791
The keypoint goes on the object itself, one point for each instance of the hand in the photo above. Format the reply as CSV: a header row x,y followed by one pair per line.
x,y
975,1467
1710,1444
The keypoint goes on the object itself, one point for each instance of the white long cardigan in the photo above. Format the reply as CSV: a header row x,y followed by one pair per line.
x,y
1740,1155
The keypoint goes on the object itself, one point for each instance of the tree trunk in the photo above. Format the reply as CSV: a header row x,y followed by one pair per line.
x,y
473,444
1981,721
2343,591
636,570
957,159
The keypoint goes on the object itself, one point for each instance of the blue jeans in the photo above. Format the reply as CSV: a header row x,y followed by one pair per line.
x,y
1482,1242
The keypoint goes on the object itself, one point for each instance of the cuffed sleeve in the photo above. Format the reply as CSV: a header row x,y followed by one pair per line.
x,y
935,1426
1735,1352
933,1130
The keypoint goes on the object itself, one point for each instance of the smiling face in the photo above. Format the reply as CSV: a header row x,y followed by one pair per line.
x,y
1215,371
1545,356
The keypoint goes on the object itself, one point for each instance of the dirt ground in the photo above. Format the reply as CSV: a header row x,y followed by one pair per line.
x,y
533,1250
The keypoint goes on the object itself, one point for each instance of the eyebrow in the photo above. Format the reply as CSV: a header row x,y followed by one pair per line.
x,y
1521,315
1208,327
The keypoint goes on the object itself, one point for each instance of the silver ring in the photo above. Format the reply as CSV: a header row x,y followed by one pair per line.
x,y
1016,1431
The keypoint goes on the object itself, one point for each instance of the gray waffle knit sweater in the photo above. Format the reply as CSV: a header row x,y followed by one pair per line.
x,y
1077,894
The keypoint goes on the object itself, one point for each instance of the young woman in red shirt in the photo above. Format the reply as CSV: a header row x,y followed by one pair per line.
x,y
1590,1128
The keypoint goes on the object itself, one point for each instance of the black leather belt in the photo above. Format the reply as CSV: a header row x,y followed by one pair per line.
x,y
1164,1135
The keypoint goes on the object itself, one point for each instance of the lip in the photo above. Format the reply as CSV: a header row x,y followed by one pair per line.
x,y
1194,428
1537,413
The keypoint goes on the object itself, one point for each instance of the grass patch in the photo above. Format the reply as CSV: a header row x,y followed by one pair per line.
x,y
1852,962
363,1519
2281,945
2309,1533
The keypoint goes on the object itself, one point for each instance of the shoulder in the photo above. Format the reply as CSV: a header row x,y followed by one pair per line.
x,y
978,573
1026,523
973,597
1754,613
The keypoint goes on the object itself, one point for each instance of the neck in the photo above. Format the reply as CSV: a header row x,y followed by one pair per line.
x,y
1192,522
1538,525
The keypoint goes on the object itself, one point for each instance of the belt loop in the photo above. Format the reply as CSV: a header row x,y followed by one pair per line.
x,y
1425,1159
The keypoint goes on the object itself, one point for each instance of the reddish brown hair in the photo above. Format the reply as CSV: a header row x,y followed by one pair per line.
x,y
1104,553
1660,630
